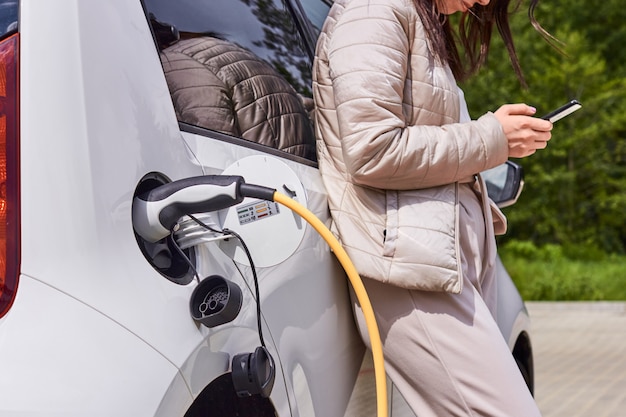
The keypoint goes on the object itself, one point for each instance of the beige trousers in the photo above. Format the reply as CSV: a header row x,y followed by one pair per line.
x,y
444,352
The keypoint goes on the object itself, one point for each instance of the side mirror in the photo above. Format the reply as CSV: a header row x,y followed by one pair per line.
x,y
504,183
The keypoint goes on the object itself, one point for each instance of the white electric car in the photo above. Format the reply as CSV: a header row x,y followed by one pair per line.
x,y
109,109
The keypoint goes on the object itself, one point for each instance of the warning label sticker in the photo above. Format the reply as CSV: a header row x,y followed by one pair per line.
x,y
256,211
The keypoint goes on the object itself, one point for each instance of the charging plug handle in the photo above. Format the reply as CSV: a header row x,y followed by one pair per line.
x,y
157,211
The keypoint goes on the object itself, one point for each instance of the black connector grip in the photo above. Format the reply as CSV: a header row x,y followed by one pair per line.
x,y
257,191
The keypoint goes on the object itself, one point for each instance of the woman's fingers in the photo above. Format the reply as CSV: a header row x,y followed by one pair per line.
x,y
524,133
517,109
525,142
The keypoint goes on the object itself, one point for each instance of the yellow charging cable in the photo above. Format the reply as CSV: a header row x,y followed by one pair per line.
x,y
359,289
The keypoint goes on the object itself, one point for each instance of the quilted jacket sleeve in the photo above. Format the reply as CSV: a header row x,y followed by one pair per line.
x,y
370,55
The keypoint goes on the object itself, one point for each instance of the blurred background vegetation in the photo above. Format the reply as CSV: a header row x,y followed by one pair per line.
x,y
567,234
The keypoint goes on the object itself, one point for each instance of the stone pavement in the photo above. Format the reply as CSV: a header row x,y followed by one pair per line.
x,y
580,358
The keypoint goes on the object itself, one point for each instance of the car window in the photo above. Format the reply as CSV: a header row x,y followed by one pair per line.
x,y
316,11
8,16
238,67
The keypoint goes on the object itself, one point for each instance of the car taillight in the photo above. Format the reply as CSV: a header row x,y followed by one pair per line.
x,y
9,173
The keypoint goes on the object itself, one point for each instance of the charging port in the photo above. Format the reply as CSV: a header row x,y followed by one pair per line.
x,y
162,255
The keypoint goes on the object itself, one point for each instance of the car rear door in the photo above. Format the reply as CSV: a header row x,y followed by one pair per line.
x,y
239,74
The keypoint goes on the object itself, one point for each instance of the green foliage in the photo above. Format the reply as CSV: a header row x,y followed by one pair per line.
x,y
564,279
524,249
572,273
575,193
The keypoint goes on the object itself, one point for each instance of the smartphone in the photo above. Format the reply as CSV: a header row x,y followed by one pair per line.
x,y
563,111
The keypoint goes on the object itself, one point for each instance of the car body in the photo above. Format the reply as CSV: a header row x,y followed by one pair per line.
x,y
95,320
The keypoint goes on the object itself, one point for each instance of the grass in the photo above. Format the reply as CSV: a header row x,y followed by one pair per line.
x,y
553,273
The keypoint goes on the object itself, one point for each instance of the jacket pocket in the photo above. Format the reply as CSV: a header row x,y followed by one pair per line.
x,y
390,237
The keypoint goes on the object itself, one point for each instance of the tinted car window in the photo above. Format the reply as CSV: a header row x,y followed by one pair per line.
x,y
316,11
238,67
8,16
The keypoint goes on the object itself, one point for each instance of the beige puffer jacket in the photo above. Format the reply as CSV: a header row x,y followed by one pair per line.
x,y
390,148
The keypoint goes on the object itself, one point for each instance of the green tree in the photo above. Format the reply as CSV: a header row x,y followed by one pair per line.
x,y
575,191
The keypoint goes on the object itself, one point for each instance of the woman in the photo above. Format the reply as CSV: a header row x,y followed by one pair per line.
x,y
399,157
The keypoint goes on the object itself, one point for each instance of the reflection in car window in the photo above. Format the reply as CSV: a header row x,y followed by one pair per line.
x,y
316,11
237,67
8,16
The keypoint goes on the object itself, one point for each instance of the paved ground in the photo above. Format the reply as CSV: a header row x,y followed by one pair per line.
x,y
580,358
580,362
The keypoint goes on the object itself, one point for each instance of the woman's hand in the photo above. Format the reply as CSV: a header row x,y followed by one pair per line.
x,y
525,133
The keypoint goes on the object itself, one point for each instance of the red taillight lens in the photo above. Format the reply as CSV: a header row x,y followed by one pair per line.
x,y
9,173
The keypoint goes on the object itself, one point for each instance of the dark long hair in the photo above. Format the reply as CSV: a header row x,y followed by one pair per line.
x,y
473,34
